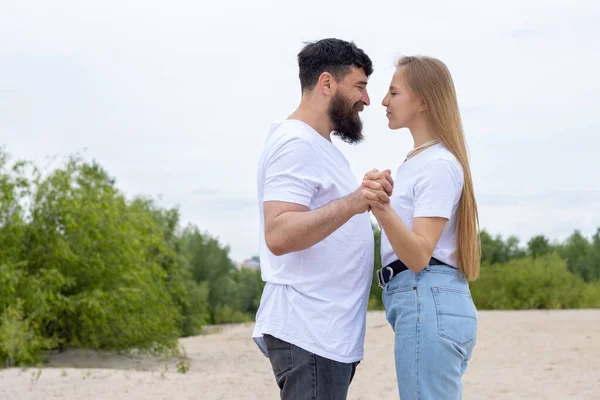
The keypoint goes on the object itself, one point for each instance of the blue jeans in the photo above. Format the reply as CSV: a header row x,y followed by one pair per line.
x,y
435,325
302,375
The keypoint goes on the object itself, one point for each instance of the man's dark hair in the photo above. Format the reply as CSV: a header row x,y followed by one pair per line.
x,y
330,55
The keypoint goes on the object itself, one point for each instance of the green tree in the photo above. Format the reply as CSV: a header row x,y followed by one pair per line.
x,y
84,266
527,283
595,256
233,295
375,301
496,250
538,246
578,252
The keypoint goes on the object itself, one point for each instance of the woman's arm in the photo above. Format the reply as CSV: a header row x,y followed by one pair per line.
x,y
414,248
437,190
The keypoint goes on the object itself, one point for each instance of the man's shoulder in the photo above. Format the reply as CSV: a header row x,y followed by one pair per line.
x,y
290,135
291,130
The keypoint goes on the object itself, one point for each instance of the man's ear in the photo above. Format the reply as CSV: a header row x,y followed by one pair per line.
x,y
326,83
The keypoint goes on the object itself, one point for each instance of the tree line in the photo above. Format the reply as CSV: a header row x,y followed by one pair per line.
x,y
82,265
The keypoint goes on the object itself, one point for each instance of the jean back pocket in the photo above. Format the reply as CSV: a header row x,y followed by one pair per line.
x,y
456,315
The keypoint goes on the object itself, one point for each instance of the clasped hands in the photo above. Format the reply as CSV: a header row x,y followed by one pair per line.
x,y
376,189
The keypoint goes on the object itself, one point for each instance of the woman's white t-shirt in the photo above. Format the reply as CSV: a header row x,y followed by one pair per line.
x,y
428,185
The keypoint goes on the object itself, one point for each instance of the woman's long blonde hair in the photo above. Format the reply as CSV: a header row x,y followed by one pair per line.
x,y
430,79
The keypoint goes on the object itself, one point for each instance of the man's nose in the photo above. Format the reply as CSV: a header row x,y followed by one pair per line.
x,y
365,98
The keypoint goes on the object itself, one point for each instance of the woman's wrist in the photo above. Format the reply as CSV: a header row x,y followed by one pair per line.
x,y
383,213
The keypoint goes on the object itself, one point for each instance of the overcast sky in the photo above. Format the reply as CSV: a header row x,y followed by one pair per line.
x,y
174,98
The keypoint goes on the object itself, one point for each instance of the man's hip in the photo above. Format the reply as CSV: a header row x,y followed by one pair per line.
x,y
302,375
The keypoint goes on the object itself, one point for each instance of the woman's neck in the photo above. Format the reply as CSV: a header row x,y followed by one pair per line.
x,y
421,134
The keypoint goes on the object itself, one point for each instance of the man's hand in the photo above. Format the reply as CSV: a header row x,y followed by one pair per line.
x,y
376,188
357,202
378,200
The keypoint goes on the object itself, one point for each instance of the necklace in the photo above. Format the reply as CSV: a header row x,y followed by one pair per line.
x,y
427,144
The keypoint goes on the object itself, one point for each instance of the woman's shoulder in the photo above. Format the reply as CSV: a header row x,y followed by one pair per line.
x,y
442,156
441,161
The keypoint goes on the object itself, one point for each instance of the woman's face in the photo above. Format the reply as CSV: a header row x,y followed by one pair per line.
x,y
403,108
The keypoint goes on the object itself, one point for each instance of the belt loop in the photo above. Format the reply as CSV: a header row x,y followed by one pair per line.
x,y
391,273
380,279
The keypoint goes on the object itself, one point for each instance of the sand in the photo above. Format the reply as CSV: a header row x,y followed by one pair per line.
x,y
519,355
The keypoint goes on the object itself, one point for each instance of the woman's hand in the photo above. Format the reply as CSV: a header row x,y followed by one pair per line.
x,y
377,199
377,187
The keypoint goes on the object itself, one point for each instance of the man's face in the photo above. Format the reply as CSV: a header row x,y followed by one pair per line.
x,y
350,98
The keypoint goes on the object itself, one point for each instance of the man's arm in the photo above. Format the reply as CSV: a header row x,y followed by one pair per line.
x,y
291,227
291,180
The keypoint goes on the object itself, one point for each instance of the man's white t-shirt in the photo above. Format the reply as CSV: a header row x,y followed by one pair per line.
x,y
317,298
428,185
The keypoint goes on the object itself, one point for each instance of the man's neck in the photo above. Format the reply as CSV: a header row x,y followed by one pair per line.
x,y
314,116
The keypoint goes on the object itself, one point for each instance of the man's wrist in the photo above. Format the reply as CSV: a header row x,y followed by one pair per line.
x,y
348,206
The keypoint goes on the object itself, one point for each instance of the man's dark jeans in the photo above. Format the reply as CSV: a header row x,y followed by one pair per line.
x,y
302,375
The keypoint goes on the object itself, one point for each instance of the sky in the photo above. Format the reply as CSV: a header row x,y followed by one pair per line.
x,y
175,98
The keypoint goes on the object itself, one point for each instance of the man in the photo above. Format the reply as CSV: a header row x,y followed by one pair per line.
x,y
316,240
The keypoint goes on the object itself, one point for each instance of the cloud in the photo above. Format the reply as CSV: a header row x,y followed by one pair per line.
x,y
475,109
176,99
569,200
523,33
203,192
231,204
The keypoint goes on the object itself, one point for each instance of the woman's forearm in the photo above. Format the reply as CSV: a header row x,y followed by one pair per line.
x,y
413,250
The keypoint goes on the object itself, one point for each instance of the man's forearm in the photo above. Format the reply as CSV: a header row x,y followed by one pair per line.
x,y
299,230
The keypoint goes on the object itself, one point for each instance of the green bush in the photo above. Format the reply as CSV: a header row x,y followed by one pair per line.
x,y
19,342
83,266
88,266
527,283
226,314
196,312
375,301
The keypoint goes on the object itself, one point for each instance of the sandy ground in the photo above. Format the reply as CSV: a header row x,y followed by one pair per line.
x,y
519,355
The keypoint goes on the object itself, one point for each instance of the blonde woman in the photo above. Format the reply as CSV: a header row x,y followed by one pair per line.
x,y
429,243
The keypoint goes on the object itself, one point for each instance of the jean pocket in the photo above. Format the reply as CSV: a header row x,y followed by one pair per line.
x,y
456,315
280,355
397,285
460,277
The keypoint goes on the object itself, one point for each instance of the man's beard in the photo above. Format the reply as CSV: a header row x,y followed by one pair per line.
x,y
344,117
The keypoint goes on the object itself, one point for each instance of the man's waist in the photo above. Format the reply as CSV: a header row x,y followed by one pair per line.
x,y
326,291
342,340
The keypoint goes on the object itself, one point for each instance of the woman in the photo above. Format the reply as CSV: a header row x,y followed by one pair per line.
x,y
429,243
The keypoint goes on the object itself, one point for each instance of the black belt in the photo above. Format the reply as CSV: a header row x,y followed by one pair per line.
x,y
384,275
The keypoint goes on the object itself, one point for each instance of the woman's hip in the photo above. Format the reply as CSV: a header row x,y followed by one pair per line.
x,y
437,298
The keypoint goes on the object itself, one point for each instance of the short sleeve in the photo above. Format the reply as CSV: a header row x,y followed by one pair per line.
x,y
292,173
437,189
